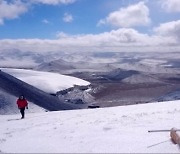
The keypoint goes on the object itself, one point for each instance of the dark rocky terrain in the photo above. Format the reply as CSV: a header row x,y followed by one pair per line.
x,y
108,92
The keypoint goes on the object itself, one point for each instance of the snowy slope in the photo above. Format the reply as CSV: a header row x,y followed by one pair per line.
x,y
175,95
108,130
140,78
46,81
144,67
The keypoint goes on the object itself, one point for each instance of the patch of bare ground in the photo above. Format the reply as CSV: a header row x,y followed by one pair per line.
x,y
108,92
116,94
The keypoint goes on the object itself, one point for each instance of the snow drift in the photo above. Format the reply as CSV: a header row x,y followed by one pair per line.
x,y
45,81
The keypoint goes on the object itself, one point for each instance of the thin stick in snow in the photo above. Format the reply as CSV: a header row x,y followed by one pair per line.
x,y
157,143
162,130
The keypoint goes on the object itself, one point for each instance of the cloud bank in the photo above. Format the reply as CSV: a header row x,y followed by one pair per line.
x,y
22,63
164,39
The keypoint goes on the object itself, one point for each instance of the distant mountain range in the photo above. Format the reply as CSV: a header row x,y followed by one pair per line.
x,y
116,78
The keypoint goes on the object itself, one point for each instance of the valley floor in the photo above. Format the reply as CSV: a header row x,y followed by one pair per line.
x,y
105,130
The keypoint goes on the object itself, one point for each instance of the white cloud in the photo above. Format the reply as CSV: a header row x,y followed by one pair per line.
x,y
53,2
133,15
62,35
45,21
169,29
11,10
123,39
1,21
67,18
171,5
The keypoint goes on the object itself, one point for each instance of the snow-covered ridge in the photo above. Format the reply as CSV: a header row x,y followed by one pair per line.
x,y
46,81
107,130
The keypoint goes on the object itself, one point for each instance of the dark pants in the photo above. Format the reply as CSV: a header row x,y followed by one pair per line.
x,y
22,111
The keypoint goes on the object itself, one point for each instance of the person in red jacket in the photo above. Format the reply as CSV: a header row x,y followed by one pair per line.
x,y
22,104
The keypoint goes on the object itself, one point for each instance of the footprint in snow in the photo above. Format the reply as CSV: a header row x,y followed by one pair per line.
x,y
9,133
141,114
127,117
98,122
2,140
107,128
124,116
1,151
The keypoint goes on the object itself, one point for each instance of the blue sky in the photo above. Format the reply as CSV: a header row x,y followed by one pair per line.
x,y
86,14
88,20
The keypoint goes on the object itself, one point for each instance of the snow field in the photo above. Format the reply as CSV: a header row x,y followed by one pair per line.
x,y
107,130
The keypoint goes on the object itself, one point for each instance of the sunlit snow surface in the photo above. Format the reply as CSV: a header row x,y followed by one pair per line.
x,y
109,130
46,81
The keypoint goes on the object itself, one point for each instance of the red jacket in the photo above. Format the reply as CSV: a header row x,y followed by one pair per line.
x,y
22,103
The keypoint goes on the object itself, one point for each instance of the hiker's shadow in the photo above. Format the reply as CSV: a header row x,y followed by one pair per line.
x,y
13,119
